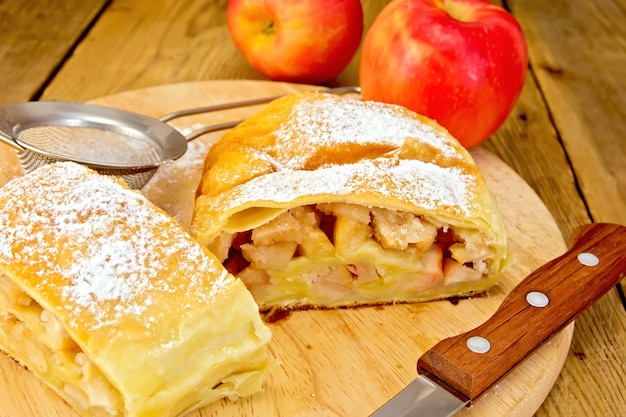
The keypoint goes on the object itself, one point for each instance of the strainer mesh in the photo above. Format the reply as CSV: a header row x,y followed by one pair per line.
x,y
134,178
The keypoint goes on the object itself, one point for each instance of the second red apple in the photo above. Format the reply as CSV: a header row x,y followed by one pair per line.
x,y
460,62
306,41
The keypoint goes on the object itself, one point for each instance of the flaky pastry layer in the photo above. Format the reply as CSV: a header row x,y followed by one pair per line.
x,y
114,306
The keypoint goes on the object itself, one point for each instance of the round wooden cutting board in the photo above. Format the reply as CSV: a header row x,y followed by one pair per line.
x,y
332,363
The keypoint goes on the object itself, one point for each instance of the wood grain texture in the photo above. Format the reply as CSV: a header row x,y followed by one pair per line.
x,y
529,143
135,45
345,362
578,53
35,37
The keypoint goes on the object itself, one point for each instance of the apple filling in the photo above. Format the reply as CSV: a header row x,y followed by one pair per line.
x,y
33,332
339,254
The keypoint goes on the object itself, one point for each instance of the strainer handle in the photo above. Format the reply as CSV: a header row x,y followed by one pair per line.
x,y
4,137
211,128
245,103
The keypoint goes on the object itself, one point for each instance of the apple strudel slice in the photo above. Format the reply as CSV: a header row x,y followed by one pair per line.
x,y
114,306
324,201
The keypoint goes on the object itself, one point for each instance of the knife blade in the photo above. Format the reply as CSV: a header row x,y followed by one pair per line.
x,y
459,370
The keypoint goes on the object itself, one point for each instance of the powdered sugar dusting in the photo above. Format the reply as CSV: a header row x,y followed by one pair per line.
x,y
408,181
329,121
331,148
99,246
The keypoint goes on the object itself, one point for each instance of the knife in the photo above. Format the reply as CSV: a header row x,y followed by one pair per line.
x,y
459,370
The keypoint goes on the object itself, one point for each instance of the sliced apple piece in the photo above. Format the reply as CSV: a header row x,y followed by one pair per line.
x,y
57,337
253,277
397,229
316,245
364,272
332,283
352,211
275,256
350,235
338,274
307,216
427,274
221,245
472,248
454,272
284,228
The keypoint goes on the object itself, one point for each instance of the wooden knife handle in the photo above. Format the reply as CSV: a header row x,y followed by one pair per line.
x,y
571,284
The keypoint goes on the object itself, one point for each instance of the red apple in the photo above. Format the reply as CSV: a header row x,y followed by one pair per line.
x,y
304,41
460,62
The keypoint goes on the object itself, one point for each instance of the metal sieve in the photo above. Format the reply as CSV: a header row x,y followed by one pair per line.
x,y
111,141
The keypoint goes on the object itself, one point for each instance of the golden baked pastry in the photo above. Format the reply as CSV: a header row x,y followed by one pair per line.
x,y
324,201
114,306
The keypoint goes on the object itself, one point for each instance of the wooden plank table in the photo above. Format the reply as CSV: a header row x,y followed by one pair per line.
x,y
566,136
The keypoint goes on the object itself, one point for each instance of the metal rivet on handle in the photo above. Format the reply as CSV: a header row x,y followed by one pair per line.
x,y
588,259
537,299
478,344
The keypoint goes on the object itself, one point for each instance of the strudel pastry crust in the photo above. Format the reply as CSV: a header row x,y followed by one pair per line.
x,y
114,306
324,201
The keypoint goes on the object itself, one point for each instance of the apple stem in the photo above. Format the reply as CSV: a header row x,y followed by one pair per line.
x,y
269,28
459,11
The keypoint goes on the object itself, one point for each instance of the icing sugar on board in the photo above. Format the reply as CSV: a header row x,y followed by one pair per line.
x,y
332,363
